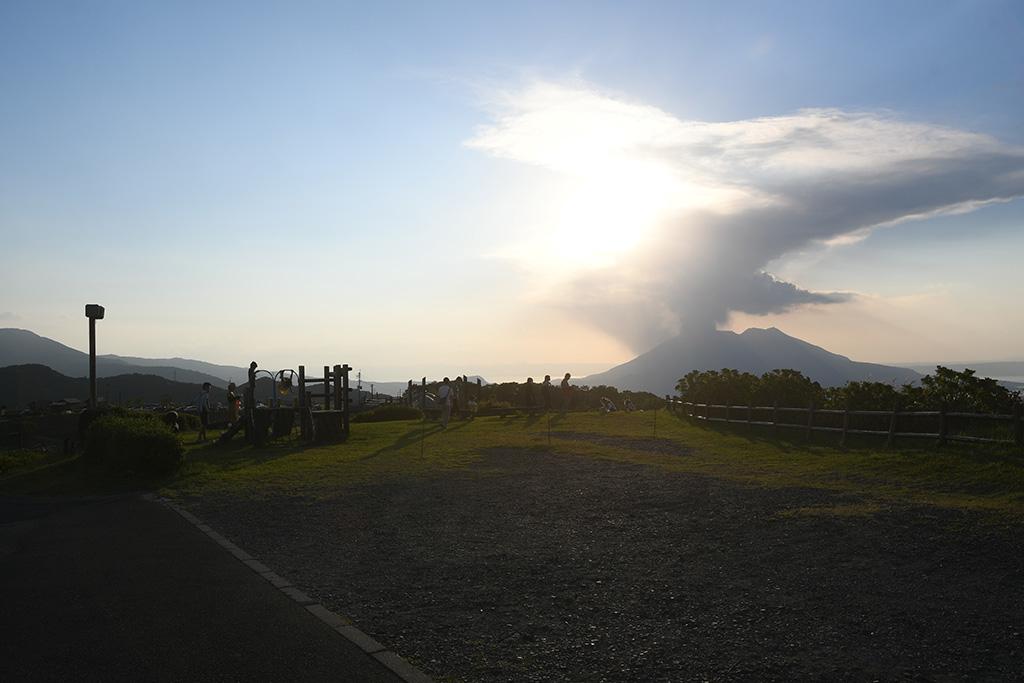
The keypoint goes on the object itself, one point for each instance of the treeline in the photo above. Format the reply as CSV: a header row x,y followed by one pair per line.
x,y
518,394
957,391
524,395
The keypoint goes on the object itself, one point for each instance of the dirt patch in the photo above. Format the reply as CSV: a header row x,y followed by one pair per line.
x,y
531,566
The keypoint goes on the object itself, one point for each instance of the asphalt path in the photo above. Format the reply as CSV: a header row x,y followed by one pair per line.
x,y
122,588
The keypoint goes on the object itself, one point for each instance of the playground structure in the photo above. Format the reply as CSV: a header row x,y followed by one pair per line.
x,y
321,424
325,424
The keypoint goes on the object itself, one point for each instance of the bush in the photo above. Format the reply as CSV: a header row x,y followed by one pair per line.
x,y
388,413
132,445
188,422
19,458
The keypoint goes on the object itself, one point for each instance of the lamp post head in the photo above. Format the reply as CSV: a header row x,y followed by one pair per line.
x,y
94,311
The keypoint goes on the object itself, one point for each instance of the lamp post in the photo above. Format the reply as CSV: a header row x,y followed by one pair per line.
x,y
93,312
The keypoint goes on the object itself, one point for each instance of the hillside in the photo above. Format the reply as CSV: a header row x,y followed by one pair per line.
x,y
224,373
755,350
22,347
20,385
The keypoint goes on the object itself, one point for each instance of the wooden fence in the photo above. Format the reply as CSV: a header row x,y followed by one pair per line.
x,y
813,419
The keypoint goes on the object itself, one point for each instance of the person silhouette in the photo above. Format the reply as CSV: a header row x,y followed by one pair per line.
x,y
444,396
528,400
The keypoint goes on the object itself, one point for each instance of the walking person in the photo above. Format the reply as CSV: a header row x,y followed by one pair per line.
x,y
566,393
545,388
444,396
528,400
204,412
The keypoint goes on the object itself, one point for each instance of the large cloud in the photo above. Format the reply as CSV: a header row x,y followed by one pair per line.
x,y
740,195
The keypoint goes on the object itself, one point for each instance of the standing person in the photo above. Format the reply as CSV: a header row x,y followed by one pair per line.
x,y
457,396
204,412
566,393
250,404
528,394
444,396
545,388
233,402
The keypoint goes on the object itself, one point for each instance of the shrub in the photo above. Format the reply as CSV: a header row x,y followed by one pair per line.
x,y
19,458
132,445
188,422
387,413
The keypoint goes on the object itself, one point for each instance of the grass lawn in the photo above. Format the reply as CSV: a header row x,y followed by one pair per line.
x,y
957,477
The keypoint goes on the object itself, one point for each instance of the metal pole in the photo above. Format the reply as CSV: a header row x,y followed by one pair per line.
x,y
92,362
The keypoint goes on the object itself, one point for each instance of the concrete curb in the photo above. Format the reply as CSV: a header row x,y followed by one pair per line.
x,y
337,623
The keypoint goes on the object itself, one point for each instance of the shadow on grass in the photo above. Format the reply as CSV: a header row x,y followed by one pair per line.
x,y
414,435
235,454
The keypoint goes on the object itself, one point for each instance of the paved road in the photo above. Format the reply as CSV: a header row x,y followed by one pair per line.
x,y
125,589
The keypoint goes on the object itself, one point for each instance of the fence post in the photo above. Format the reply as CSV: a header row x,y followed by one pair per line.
x,y
892,426
337,388
327,388
943,427
846,426
810,419
727,407
775,419
303,405
1018,425
344,369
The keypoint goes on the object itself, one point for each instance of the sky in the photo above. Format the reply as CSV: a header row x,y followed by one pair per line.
x,y
439,188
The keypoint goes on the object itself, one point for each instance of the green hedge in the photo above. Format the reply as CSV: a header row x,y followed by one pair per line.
x,y
387,413
130,445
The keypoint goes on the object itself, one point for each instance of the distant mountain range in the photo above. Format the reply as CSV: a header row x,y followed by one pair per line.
x,y
658,370
755,350
21,385
23,347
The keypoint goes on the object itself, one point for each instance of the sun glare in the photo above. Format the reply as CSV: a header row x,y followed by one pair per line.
x,y
611,212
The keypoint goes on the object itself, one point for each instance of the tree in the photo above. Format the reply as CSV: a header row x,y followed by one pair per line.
x,y
963,392
861,396
789,387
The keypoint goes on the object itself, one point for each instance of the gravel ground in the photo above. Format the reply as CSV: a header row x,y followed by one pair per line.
x,y
531,566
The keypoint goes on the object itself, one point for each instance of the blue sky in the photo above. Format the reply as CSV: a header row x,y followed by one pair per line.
x,y
220,176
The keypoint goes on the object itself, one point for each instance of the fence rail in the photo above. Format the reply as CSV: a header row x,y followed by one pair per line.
x,y
744,415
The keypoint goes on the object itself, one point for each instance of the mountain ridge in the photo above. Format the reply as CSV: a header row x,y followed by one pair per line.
x,y
24,347
21,385
755,350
